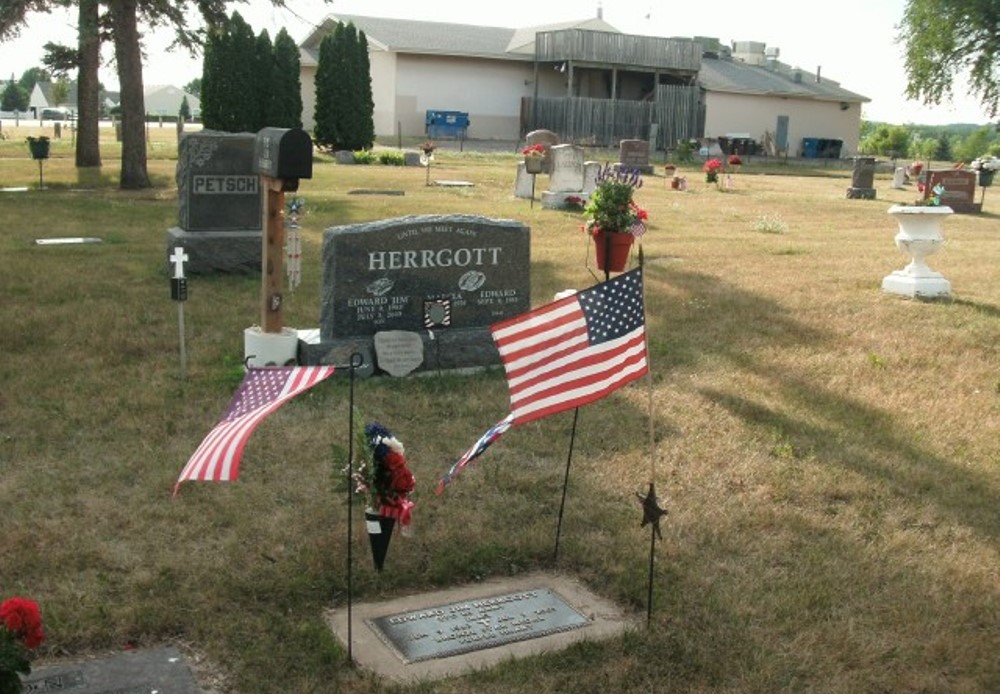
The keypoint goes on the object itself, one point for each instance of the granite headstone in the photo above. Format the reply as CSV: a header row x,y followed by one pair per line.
x,y
959,190
445,277
635,154
862,179
220,203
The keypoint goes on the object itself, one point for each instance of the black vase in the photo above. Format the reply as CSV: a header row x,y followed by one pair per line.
x,y
379,534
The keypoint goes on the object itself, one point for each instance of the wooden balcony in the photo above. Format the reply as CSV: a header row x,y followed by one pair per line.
x,y
607,49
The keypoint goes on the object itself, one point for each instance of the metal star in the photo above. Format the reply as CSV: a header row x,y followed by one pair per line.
x,y
651,511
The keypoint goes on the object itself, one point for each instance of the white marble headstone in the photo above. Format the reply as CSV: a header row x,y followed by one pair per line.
x,y
567,169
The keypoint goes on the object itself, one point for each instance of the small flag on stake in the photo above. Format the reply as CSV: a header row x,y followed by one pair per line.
x,y
262,391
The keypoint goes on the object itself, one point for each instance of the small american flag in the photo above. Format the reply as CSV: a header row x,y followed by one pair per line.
x,y
477,449
262,391
575,350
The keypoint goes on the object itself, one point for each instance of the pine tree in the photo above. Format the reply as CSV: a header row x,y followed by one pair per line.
x,y
325,132
260,105
287,89
366,103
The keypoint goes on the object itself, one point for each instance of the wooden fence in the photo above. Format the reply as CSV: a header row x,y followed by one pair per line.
x,y
676,110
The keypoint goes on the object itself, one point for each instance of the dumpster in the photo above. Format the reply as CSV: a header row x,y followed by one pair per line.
x,y
443,124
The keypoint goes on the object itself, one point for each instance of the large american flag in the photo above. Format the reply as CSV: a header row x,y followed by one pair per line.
x,y
262,391
575,350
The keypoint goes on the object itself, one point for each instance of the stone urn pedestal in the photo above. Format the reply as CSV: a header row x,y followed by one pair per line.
x,y
919,236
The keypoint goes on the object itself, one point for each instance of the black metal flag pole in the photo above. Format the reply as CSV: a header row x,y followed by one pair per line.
x,y
356,362
569,459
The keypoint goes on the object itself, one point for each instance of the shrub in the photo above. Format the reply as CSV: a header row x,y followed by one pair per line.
x,y
392,158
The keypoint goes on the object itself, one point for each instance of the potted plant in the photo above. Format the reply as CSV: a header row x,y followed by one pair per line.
x,y
534,158
712,168
385,481
614,220
20,632
985,168
39,147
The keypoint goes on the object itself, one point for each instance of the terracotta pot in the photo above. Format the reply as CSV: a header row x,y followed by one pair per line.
x,y
612,250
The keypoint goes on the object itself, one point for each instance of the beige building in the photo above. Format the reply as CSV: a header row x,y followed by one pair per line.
x,y
492,74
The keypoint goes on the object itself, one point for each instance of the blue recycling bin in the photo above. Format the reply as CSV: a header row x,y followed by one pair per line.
x,y
444,124
810,147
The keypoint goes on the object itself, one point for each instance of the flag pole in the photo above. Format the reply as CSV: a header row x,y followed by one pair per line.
x,y
356,361
562,504
653,527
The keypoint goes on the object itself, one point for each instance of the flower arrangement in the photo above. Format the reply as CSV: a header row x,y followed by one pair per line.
x,y
574,202
734,160
428,148
534,151
383,477
20,632
985,164
611,207
712,168
932,200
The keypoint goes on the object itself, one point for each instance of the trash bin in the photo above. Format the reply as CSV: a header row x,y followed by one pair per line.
x,y
810,147
444,124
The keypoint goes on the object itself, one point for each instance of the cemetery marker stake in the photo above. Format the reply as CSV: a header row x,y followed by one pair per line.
x,y
178,292
357,361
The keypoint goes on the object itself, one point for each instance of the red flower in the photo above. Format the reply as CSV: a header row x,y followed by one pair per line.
x,y
537,150
734,160
394,460
712,166
21,617
401,480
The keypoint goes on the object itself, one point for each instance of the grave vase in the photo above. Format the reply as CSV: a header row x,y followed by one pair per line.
x,y
379,534
986,177
612,249
534,165
919,236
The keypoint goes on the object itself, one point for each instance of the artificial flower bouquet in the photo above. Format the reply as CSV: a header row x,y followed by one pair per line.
x,y
712,168
611,207
383,477
536,151
20,632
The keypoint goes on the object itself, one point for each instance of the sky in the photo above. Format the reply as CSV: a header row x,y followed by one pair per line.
x,y
851,42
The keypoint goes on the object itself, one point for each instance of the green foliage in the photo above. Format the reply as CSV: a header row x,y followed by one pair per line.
x,y
391,158
887,140
33,76
286,106
229,79
263,105
944,39
975,145
14,98
185,110
344,104
364,156
194,87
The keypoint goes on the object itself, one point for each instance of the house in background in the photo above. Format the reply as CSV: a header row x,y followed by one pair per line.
x,y
589,82
160,100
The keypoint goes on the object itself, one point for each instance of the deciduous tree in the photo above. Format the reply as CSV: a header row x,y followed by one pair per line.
x,y
944,39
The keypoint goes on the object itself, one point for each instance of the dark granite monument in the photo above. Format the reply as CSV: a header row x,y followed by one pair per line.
x,y
635,155
220,202
862,179
446,278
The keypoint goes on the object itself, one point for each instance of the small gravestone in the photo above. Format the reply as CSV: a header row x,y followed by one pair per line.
x,y
220,203
548,139
634,154
343,156
567,169
446,278
133,672
899,178
959,190
524,183
862,179
590,171
412,158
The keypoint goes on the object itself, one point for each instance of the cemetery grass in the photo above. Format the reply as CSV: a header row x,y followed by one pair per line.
x,y
827,453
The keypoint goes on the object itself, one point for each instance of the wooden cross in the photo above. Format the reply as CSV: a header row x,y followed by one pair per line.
x,y
178,258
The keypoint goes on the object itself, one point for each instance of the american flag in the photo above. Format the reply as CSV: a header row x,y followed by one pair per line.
x,y
575,350
477,449
262,391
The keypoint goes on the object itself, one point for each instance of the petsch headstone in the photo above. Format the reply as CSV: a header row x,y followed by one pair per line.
x,y
219,203
446,278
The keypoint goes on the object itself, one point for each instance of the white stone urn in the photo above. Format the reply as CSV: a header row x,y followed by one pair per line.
x,y
919,236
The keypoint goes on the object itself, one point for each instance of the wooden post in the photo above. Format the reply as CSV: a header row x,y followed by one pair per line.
x,y
272,260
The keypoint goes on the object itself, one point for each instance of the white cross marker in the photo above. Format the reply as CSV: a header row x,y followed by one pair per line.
x,y
178,259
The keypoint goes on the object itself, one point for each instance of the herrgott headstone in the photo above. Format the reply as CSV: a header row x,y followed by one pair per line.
x,y
444,277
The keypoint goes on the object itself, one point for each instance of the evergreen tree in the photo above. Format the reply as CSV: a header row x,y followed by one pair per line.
x,y
260,105
228,79
14,97
185,112
287,88
366,102
325,132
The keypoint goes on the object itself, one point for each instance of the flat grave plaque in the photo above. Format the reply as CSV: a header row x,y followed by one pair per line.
x,y
480,623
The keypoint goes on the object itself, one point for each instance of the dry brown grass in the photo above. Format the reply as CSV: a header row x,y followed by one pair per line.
x,y
828,453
